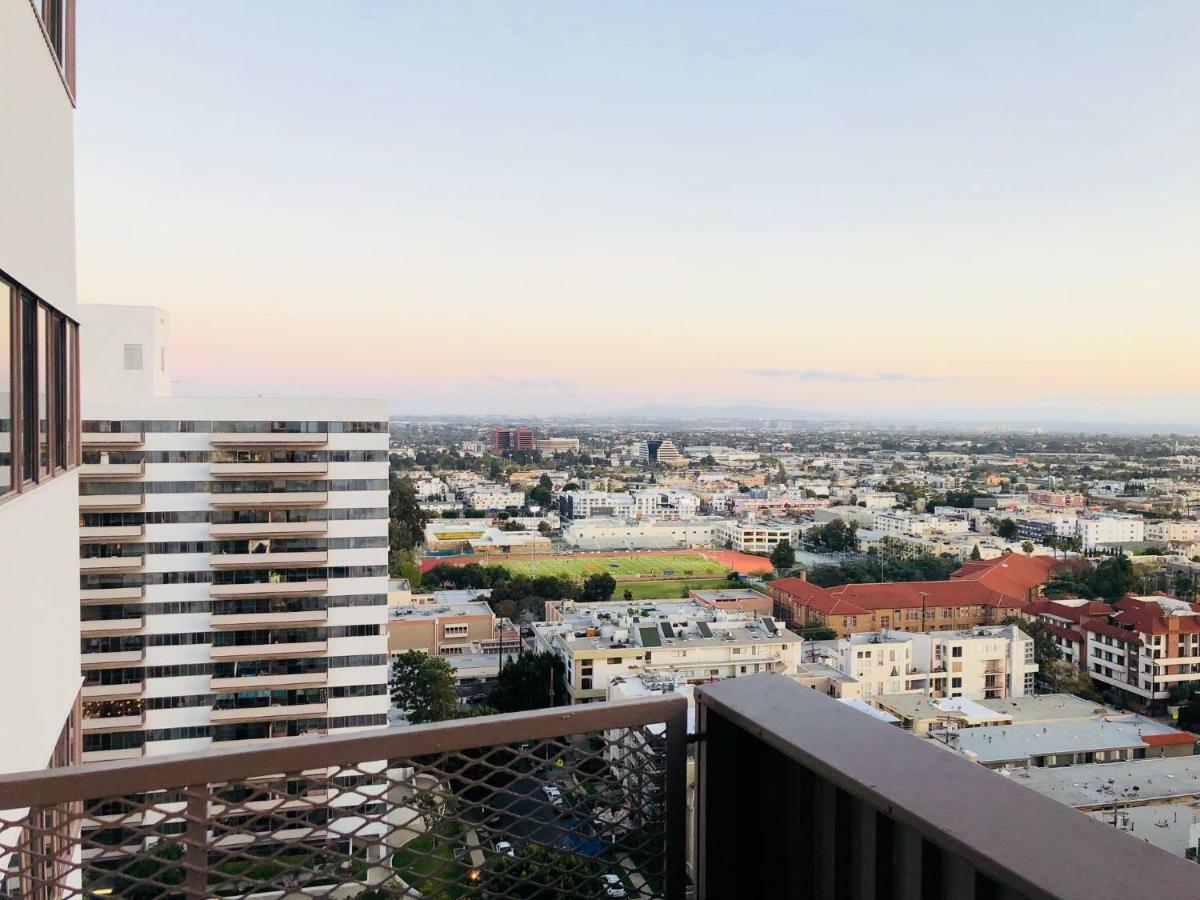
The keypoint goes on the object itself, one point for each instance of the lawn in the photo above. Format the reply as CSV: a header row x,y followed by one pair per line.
x,y
427,864
578,568
669,590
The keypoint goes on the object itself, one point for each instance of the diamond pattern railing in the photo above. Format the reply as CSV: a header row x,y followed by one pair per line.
x,y
579,802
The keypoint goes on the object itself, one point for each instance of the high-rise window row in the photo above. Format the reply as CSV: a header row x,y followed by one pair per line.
x,y
39,390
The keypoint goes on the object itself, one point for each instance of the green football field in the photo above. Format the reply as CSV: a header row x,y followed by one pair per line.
x,y
619,567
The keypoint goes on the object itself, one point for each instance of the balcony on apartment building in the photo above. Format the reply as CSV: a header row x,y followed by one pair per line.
x,y
112,440
103,717
269,559
241,676
267,469
115,619
97,534
98,687
795,796
268,643
268,499
245,584
268,613
95,561
270,706
267,529
270,439
105,471
112,501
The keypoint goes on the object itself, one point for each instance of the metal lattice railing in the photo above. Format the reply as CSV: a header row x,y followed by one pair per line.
x,y
583,802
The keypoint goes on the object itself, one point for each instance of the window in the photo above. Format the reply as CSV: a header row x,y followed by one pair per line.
x,y
8,380
133,357
956,651
38,391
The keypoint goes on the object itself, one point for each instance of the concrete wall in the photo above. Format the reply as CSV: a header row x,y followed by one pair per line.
x,y
106,332
37,166
39,549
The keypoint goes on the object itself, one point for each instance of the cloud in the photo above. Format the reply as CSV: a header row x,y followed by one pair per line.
x,y
826,375
536,384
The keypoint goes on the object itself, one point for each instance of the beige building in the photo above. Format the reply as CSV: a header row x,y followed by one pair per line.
x,y
682,639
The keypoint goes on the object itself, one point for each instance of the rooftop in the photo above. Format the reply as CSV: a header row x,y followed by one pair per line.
x,y
1097,784
997,744
1046,708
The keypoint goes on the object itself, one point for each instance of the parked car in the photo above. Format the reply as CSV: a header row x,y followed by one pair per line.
x,y
505,848
612,885
553,794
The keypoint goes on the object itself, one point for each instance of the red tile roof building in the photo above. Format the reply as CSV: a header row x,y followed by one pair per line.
x,y
979,593
1146,646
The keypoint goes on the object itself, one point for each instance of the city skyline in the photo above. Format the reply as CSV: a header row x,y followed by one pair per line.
x,y
545,210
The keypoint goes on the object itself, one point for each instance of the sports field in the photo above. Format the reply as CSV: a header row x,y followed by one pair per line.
x,y
619,567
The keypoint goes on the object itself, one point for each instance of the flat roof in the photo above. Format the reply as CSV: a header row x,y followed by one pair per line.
x,y
919,706
1155,778
1008,743
865,707
1047,708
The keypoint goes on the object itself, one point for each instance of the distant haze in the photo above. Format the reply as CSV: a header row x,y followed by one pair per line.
x,y
939,211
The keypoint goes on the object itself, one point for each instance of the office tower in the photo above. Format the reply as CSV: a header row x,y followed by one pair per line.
x,y
660,450
233,556
39,439
505,440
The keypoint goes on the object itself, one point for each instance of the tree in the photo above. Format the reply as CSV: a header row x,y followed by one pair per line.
x,y
405,565
1114,578
1184,586
544,528
423,686
1027,548
818,633
975,554
836,536
543,493
531,681
406,519
1007,529
783,556
599,587
628,595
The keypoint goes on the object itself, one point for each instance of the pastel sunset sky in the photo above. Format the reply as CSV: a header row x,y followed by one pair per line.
x,y
927,210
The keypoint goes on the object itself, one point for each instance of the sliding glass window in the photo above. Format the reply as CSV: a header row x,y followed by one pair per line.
x,y
29,381
39,390
8,378
44,371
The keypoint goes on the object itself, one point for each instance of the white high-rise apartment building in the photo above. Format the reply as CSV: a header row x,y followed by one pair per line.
x,y
665,504
39,377
233,556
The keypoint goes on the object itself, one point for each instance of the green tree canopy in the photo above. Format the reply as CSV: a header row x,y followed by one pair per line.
x,y
784,555
600,586
530,681
423,686
406,519
1007,529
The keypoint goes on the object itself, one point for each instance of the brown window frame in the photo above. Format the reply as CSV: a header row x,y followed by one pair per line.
x,y
60,337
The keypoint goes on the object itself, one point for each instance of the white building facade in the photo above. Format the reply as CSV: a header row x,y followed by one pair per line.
x,y
233,559
39,419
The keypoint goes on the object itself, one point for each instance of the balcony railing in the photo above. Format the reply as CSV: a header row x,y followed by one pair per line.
x,y
800,796
448,810
795,796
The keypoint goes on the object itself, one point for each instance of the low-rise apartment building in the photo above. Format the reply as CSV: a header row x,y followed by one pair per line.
x,y
985,663
1144,648
1093,531
592,504
665,504
684,639
1057,499
752,536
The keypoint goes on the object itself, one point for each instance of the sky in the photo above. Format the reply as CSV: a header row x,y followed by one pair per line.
x,y
908,211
